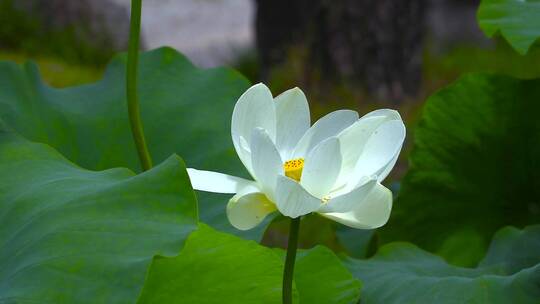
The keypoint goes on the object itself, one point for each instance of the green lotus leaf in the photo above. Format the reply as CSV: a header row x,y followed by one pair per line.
x,y
403,273
320,277
70,235
215,267
518,21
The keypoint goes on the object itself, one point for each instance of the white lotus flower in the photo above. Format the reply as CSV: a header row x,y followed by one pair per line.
x,y
334,167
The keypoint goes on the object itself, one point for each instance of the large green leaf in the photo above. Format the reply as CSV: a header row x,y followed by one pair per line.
x,y
321,278
218,268
517,20
474,167
403,273
215,267
185,110
69,235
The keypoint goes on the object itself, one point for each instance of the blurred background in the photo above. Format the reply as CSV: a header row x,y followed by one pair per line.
x,y
356,53
383,51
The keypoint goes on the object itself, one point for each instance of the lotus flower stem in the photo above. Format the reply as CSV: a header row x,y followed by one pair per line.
x,y
131,86
290,259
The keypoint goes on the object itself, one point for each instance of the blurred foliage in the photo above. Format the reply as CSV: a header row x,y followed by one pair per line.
x,y
315,230
473,169
247,64
28,32
57,72
358,243
440,69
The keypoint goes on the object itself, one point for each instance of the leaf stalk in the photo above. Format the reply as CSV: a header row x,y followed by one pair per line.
x,y
131,86
288,272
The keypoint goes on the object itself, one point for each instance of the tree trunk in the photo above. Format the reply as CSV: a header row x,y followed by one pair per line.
x,y
376,43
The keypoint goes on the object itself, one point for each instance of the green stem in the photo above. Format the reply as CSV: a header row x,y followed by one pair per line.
x,y
288,272
131,86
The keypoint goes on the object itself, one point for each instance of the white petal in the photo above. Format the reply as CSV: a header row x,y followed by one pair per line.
x,y
292,120
321,169
371,211
354,138
266,162
246,211
216,182
292,200
388,168
326,127
380,151
242,148
389,114
348,201
352,142
255,108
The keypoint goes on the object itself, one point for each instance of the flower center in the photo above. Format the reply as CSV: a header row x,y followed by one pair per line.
x,y
293,168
